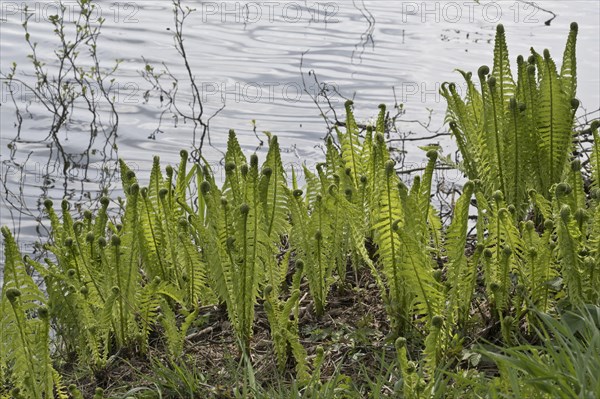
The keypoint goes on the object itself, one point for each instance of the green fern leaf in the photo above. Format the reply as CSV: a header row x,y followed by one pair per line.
x,y
459,296
554,119
501,71
351,146
568,71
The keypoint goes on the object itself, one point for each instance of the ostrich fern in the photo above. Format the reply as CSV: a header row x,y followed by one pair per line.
x,y
516,135
185,241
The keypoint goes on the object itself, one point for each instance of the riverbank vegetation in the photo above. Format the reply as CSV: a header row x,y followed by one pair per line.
x,y
338,282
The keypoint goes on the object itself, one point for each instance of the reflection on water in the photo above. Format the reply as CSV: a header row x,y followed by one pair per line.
x,y
286,67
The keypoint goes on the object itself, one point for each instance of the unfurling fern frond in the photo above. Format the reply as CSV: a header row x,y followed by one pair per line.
x,y
434,344
410,375
15,276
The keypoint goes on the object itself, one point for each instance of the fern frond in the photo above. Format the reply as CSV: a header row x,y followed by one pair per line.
x,y
494,128
152,237
24,370
129,273
387,220
554,119
463,121
350,143
569,246
528,97
434,345
251,240
459,278
273,193
416,270
333,165
182,181
515,156
568,72
218,245
15,275
127,175
234,163
312,187
595,155
501,71
319,264
149,303
57,234
194,269
503,245
538,265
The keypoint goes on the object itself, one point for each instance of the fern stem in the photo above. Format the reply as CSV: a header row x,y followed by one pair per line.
x,y
534,287
244,289
393,243
190,270
253,270
592,284
46,361
169,235
551,121
121,314
516,157
272,217
74,255
497,136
